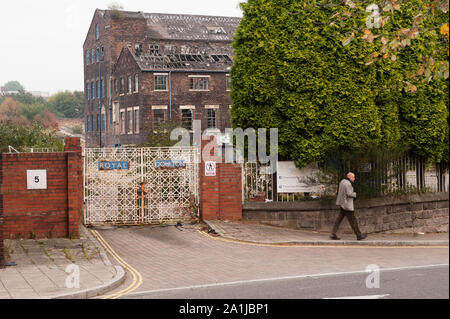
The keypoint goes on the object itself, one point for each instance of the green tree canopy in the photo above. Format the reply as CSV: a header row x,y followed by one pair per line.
x,y
23,136
292,72
67,104
14,86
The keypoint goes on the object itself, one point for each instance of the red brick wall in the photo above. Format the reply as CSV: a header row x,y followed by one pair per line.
x,y
2,255
221,195
53,212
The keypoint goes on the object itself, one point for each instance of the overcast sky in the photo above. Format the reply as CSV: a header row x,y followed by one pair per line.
x,y
41,43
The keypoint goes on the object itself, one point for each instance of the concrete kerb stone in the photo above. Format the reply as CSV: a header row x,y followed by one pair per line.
x,y
377,243
99,290
102,252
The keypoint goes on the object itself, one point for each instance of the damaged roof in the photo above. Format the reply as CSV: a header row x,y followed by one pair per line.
x,y
186,27
191,59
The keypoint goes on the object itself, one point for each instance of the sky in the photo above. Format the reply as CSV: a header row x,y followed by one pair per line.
x,y
41,43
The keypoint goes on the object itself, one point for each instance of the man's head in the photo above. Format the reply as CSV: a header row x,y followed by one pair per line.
x,y
351,177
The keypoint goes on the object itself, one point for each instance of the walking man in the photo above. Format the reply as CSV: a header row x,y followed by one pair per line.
x,y
345,201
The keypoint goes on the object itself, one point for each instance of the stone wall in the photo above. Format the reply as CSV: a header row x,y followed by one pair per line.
x,y
408,213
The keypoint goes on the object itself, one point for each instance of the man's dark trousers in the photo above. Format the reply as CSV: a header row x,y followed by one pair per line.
x,y
351,219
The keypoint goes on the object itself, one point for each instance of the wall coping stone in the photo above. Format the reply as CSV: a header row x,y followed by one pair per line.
x,y
331,204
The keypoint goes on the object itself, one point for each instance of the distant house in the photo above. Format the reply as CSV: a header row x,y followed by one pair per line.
x,y
142,69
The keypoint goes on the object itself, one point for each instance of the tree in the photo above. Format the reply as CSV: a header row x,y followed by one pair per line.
x,y
46,119
10,112
293,72
21,137
14,86
159,136
377,21
67,104
116,9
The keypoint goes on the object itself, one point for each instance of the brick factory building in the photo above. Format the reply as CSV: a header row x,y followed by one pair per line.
x,y
142,69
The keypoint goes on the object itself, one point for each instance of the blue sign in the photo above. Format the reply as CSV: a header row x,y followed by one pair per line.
x,y
111,166
170,163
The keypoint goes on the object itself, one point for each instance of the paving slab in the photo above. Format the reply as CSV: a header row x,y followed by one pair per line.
x,y
265,234
41,269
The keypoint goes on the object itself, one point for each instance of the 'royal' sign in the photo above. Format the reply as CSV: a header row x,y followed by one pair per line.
x,y
113,166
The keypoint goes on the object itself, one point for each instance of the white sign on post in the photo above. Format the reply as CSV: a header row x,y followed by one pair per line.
x,y
293,180
36,179
210,169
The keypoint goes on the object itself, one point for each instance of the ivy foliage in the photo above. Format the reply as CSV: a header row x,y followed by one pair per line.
x,y
292,72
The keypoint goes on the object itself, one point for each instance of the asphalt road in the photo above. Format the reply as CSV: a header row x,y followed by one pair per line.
x,y
402,283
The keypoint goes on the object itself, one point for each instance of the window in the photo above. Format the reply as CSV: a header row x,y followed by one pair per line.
x,y
186,119
122,86
97,55
129,84
130,121
154,49
199,83
88,124
115,110
228,83
98,89
158,117
122,121
161,82
102,84
98,122
88,91
212,120
87,57
92,123
136,83
110,116
115,86
93,90
102,53
92,56
97,32
103,122
136,120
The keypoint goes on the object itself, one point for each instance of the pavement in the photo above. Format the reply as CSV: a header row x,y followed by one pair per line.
x,y
49,269
170,261
264,234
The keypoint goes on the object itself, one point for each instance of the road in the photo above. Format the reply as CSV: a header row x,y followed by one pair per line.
x,y
415,283
161,260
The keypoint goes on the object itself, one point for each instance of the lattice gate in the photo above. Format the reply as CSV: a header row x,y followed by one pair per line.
x,y
140,185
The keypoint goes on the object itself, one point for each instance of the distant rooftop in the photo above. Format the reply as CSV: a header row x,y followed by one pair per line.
x,y
187,27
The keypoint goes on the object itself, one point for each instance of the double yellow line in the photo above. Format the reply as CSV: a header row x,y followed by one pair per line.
x,y
136,276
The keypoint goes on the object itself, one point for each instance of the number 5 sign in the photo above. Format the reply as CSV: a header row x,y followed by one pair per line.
x,y
37,179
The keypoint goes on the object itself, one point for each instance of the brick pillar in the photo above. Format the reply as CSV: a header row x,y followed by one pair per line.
x,y
220,195
2,252
74,185
209,188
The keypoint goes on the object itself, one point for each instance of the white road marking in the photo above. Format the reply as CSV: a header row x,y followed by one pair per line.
x,y
243,282
361,297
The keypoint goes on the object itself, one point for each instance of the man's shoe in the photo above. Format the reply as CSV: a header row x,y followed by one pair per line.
x,y
334,237
362,237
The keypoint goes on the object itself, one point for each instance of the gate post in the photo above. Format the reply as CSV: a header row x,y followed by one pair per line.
x,y
221,195
74,185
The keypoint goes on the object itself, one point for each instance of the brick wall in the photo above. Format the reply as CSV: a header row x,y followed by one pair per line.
x,y
53,212
2,253
409,213
221,195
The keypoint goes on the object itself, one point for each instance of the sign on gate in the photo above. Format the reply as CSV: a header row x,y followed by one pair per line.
x,y
110,166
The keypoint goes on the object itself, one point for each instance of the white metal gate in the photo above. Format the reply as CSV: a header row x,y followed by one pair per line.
x,y
140,185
